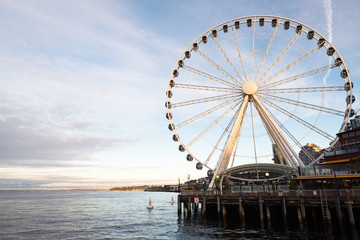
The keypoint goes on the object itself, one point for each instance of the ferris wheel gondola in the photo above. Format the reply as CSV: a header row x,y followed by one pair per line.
x,y
250,87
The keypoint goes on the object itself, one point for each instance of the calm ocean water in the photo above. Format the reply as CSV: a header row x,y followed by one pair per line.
x,y
123,215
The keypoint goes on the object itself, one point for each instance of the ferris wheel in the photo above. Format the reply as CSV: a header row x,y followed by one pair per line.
x,y
256,89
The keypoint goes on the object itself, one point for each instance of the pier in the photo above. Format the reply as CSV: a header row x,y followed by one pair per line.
x,y
342,206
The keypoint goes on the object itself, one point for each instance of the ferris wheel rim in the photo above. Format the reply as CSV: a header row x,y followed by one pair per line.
x,y
327,44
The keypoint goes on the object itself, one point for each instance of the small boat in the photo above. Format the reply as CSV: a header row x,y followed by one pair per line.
x,y
172,200
149,206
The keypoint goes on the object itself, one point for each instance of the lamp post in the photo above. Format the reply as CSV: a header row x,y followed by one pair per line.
x,y
218,183
267,178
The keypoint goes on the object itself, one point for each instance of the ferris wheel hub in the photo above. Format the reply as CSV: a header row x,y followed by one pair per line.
x,y
250,88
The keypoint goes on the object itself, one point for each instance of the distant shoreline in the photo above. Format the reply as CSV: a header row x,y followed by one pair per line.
x,y
52,190
130,188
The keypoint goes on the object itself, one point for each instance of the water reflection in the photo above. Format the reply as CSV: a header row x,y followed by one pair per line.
x,y
231,227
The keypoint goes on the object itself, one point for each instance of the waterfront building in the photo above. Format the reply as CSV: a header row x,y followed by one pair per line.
x,y
340,166
311,148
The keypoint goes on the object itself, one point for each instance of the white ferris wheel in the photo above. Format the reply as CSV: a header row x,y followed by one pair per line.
x,y
256,87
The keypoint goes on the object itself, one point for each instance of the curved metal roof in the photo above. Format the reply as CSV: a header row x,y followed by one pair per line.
x,y
263,167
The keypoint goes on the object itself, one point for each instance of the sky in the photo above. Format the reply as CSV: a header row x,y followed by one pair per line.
x,y
82,83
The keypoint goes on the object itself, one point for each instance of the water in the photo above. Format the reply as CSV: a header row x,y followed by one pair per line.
x,y
123,215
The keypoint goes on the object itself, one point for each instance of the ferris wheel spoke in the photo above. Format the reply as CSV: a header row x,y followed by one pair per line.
x,y
266,52
229,62
298,119
204,100
252,53
209,76
292,137
289,66
302,90
214,123
238,50
290,156
296,77
231,122
278,57
305,105
253,133
206,88
207,112
217,67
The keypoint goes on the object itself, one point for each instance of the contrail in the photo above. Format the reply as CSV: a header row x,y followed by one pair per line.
x,y
328,16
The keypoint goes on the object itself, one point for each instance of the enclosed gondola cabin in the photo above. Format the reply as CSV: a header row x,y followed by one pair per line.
x,y
249,22
286,25
298,29
274,22
204,39
261,22
310,35
225,28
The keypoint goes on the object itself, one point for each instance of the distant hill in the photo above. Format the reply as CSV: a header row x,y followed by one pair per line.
x,y
130,188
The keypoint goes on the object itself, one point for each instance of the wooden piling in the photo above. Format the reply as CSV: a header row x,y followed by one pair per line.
x,y
185,208
303,211
313,214
189,206
351,213
218,205
179,205
223,208
261,210
283,206
299,215
338,210
328,218
268,217
203,206
241,209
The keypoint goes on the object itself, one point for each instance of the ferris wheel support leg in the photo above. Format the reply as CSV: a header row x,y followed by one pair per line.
x,y
290,152
230,143
277,138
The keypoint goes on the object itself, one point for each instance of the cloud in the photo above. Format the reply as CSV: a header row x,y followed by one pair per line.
x,y
49,135
24,144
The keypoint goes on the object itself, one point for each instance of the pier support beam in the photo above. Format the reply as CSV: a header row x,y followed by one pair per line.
x,y
299,215
189,206
218,205
313,214
203,206
179,205
283,207
351,213
261,210
223,210
328,218
268,216
338,211
241,209
185,208
303,211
